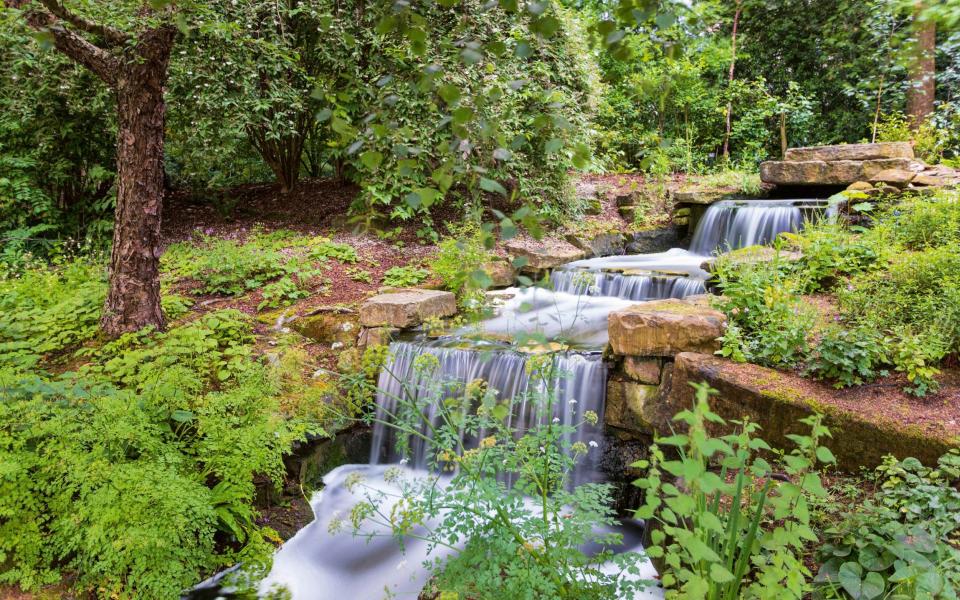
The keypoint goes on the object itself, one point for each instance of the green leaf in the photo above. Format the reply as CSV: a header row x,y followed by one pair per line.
x,y
552,146
873,585
850,575
371,159
181,416
824,455
719,574
491,185
450,93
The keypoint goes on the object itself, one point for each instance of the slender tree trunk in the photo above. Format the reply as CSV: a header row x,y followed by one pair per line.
x,y
733,65
133,300
923,69
783,135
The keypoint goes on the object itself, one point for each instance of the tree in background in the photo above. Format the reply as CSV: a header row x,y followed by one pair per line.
x,y
922,88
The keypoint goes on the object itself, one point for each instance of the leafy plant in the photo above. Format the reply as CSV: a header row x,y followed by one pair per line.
x,y
847,356
903,542
360,275
737,532
769,324
405,276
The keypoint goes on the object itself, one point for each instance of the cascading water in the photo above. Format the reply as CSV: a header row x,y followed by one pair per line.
x,y
319,565
732,224
578,385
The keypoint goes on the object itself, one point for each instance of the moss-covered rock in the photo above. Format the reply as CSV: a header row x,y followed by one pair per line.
x,y
778,401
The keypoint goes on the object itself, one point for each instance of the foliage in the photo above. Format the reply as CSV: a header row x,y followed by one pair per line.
x,y
138,472
525,539
739,532
847,356
929,141
830,252
903,542
460,263
405,276
768,324
281,263
922,223
45,311
57,147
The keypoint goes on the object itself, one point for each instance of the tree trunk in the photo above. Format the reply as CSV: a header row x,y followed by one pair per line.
x,y
733,65
133,300
783,135
923,69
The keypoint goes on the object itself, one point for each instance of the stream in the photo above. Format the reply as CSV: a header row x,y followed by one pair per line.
x,y
319,565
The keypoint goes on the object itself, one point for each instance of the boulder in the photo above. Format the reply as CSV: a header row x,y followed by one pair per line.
x,y
925,179
665,328
860,186
895,177
631,405
699,196
777,401
375,336
643,370
600,244
650,241
501,272
750,255
545,254
328,326
627,213
850,152
818,172
626,199
407,308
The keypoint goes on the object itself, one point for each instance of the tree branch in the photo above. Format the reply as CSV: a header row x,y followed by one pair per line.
x,y
98,60
113,37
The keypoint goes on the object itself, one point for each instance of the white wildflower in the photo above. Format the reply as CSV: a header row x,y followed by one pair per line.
x,y
593,444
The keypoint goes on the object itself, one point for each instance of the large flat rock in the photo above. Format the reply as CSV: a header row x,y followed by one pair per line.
x,y
544,254
818,172
407,308
851,152
777,401
665,328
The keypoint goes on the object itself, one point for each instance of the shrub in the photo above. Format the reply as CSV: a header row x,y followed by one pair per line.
x,y
768,324
829,251
923,223
903,542
734,533
919,293
139,494
460,261
847,356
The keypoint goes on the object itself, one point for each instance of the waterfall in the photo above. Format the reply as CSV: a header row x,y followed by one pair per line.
x,y
621,285
733,224
578,385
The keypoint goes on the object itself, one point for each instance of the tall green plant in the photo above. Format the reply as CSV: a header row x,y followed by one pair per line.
x,y
725,523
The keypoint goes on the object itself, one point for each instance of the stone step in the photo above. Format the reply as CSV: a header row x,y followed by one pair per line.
x,y
850,152
841,172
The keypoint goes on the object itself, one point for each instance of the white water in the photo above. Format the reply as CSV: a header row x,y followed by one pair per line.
x,y
578,385
319,565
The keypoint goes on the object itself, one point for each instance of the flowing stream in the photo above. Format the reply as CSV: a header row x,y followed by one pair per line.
x,y
319,565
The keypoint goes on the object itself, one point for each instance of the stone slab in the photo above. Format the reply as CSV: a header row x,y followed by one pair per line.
x,y
545,254
407,309
818,172
665,328
851,152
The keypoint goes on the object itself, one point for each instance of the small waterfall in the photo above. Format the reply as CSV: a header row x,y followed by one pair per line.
x,y
621,285
733,224
578,385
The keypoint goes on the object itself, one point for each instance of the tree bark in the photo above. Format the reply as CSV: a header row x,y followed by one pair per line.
x,y
133,300
136,70
923,69
733,65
